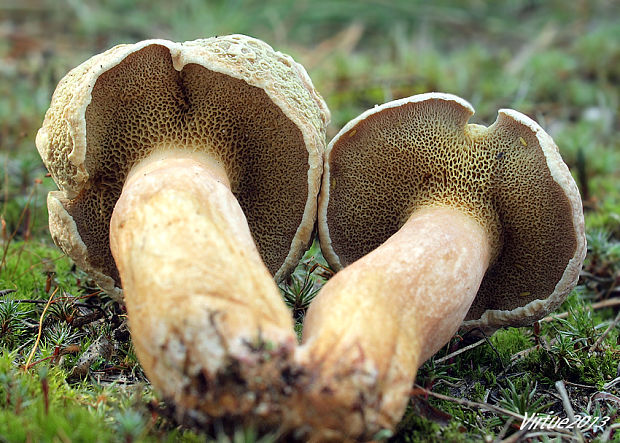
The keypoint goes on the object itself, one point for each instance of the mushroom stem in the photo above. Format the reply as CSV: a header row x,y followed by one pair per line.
x,y
207,320
376,321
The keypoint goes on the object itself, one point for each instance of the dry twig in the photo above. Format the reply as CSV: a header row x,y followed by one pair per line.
x,y
598,305
568,407
606,333
36,343
460,351
611,384
471,404
491,408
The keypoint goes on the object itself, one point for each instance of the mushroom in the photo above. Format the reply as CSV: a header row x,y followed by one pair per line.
x,y
188,175
433,221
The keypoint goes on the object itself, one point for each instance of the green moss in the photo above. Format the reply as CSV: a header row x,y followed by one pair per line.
x,y
39,405
418,428
28,266
509,341
23,414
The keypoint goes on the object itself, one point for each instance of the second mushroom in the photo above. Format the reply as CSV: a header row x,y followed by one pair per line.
x,y
433,221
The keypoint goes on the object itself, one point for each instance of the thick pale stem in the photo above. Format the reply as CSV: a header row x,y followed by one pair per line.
x,y
206,317
376,321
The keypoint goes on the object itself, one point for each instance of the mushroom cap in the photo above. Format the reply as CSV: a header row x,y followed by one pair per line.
x,y
251,109
419,152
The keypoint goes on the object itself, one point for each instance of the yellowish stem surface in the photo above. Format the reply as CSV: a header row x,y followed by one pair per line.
x,y
207,319
376,321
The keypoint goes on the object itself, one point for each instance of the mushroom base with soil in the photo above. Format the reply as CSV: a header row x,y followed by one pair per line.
x,y
376,321
207,320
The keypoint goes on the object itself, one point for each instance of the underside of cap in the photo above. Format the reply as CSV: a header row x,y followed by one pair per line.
x,y
251,108
65,234
548,232
419,152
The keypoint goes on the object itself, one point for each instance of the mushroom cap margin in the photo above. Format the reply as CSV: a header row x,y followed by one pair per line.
x,y
61,141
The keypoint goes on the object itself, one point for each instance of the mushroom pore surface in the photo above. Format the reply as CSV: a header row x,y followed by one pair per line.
x,y
424,153
144,104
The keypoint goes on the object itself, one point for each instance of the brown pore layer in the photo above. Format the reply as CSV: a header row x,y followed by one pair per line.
x,y
424,154
194,109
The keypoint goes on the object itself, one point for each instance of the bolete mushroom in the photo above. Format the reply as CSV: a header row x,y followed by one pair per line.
x,y
188,174
434,221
